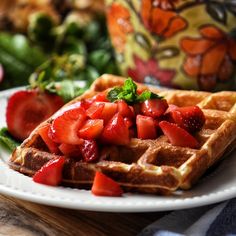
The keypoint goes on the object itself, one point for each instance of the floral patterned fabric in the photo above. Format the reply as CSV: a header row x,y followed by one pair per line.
x,y
188,44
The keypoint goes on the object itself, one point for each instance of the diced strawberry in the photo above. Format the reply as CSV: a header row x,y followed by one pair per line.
x,y
95,110
27,109
124,109
50,173
105,186
70,150
129,122
145,127
154,107
65,127
116,131
86,103
190,118
100,97
89,150
108,111
91,129
178,136
43,132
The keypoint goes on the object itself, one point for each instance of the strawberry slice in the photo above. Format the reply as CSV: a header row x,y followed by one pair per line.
x,y
108,111
65,127
51,172
178,136
190,118
70,150
125,110
154,107
116,131
105,186
43,132
27,109
89,150
100,97
146,127
95,110
91,129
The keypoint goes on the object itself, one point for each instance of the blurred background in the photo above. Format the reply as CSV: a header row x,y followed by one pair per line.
x,y
44,42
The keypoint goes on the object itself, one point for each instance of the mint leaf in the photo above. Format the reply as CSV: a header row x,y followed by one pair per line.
x,y
7,140
128,93
146,95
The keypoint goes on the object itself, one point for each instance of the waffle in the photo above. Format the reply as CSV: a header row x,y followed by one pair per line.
x,y
146,166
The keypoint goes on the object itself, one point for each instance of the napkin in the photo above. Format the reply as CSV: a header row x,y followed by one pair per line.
x,y
210,220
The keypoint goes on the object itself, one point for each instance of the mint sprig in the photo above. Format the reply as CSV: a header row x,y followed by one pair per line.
x,y
128,93
7,140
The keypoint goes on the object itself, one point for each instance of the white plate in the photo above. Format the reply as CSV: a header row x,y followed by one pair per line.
x,y
218,186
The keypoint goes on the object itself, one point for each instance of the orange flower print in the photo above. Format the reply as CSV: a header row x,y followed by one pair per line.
x,y
164,23
118,19
209,58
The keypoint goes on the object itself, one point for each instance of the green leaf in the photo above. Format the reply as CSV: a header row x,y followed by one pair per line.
x,y
68,90
128,93
146,95
18,58
7,140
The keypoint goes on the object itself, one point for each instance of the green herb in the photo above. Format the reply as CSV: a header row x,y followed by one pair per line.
x,y
7,140
18,58
128,93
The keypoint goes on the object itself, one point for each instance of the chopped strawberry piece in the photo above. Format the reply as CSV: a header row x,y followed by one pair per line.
x,y
124,109
65,127
129,122
116,131
154,107
50,173
178,136
100,97
108,111
70,150
43,132
105,186
190,118
91,129
95,110
145,127
89,150
27,109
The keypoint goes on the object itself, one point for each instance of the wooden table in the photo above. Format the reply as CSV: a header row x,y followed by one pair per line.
x,y
23,218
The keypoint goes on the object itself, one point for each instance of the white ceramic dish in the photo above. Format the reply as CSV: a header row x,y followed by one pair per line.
x,y
215,187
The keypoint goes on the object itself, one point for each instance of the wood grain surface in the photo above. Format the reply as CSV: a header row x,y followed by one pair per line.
x,y
23,218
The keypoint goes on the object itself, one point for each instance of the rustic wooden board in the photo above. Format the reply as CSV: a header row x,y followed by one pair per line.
x,y
23,218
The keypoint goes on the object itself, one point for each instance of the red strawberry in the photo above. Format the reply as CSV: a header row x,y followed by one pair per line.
x,y
50,173
95,110
43,132
70,150
116,131
146,128
105,186
91,129
89,150
65,127
124,109
100,97
108,111
178,136
154,107
190,118
27,109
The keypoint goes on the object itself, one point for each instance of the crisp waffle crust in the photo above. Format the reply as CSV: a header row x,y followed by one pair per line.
x,y
147,166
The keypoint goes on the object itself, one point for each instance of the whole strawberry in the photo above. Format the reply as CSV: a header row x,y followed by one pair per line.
x,y
26,109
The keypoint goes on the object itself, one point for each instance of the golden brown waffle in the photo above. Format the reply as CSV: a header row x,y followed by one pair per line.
x,y
150,166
